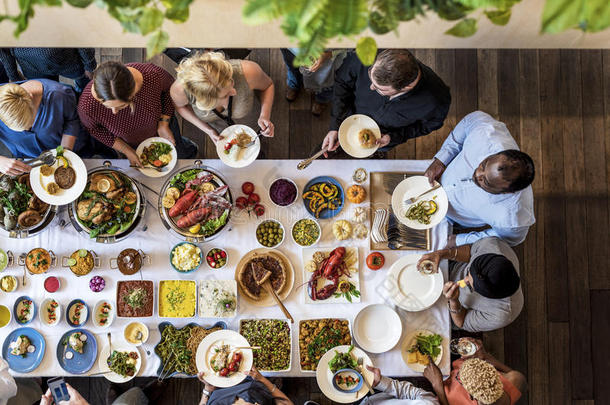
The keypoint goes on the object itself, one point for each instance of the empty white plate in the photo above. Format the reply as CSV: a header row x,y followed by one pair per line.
x,y
377,328
411,290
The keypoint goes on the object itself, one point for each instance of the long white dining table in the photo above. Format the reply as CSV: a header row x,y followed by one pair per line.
x,y
240,238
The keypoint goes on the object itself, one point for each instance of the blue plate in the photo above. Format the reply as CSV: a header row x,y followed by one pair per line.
x,y
348,371
79,363
31,360
326,213
171,256
24,297
68,313
162,327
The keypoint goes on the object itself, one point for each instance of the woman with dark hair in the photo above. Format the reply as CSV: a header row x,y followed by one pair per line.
x,y
484,289
255,389
125,104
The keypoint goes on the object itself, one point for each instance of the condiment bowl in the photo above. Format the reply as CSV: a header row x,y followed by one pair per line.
x,y
296,196
96,310
348,372
43,314
68,310
136,326
16,313
171,258
6,280
281,227
5,312
226,258
317,225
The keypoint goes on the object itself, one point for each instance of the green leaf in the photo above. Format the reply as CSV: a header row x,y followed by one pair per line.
x,y
498,17
366,49
79,3
262,11
597,15
157,42
588,15
177,14
465,28
151,20
452,11
499,4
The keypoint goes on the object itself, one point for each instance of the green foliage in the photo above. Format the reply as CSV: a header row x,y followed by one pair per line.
x,y
366,49
465,28
498,17
587,15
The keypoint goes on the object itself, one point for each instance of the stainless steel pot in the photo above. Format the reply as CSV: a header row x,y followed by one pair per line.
x,y
170,223
140,208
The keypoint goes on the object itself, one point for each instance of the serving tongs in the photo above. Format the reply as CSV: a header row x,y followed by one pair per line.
x,y
46,158
159,169
304,163
166,372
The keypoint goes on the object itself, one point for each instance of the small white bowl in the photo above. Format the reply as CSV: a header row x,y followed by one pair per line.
x,y
296,197
205,258
281,227
95,314
43,314
319,232
10,316
145,334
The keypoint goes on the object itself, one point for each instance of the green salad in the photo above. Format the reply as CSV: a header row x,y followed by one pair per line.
x,y
343,360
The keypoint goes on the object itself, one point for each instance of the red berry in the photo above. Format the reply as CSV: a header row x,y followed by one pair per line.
x,y
259,210
241,202
213,264
254,199
223,254
247,188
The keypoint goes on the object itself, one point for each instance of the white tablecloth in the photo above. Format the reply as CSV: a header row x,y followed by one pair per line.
x,y
157,242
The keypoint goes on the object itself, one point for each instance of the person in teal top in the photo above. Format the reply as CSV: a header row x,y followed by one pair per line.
x,y
38,115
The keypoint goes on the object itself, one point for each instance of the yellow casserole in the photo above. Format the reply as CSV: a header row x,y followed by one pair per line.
x,y
177,298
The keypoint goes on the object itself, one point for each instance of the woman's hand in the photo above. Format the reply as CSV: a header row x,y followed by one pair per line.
x,y
75,398
266,126
13,167
451,291
433,373
255,374
331,142
208,387
165,133
383,141
320,61
213,134
134,160
376,375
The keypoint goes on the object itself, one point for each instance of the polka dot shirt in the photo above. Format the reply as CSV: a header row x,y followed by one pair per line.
x,y
152,101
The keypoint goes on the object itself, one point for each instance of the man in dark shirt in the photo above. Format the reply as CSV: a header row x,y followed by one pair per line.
x,y
404,96
50,63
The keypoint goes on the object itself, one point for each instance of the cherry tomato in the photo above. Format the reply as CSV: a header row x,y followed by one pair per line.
x,y
254,199
375,261
247,188
233,367
224,372
158,163
241,202
259,210
237,357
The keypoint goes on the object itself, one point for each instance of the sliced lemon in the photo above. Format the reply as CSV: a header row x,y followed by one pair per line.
x,y
83,252
431,208
344,286
195,228
131,197
71,262
63,161
173,192
168,202
103,185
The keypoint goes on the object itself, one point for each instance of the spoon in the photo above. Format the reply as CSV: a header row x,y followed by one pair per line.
x,y
139,338
109,346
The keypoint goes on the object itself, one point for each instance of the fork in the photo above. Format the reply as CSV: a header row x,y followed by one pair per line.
x,y
379,234
361,370
413,199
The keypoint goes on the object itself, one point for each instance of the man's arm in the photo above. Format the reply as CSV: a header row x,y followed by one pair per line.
x,y
405,390
344,91
87,56
513,236
10,65
420,127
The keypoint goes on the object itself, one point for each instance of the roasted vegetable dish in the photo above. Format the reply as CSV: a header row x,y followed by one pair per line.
x,y
108,204
422,211
273,336
317,336
322,196
19,207
156,154
343,360
424,346
123,363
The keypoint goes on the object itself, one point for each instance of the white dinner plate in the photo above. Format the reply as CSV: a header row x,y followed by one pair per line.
x,y
62,197
247,155
406,344
150,172
348,135
377,328
205,352
412,187
324,376
411,290
119,347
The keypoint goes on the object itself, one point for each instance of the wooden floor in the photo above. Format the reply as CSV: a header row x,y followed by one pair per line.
x,y
556,104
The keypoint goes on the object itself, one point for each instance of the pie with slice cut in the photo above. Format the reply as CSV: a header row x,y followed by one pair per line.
x,y
260,268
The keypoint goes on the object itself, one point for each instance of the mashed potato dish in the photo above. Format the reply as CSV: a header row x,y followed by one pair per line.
x,y
186,257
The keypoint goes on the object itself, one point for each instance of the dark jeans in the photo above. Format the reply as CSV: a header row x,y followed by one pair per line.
x,y
294,78
79,82
185,148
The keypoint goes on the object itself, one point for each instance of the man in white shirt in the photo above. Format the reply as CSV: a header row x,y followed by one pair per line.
x,y
487,180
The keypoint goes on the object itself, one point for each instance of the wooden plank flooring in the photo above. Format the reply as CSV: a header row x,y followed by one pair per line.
x,y
556,103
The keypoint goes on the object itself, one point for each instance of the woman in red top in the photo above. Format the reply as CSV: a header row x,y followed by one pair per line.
x,y
126,104
480,379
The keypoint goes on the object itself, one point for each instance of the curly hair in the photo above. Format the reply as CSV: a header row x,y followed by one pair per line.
x,y
481,380
205,75
521,163
16,107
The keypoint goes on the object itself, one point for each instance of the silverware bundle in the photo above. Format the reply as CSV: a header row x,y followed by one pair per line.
x,y
400,235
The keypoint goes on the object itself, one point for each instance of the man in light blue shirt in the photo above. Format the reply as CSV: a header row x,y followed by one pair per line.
x,y
487,180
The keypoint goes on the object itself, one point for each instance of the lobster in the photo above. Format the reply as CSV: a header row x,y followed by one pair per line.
x,y
183,203
331,269
210,205
194,216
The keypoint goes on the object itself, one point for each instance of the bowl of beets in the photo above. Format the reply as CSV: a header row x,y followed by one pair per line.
x,y
283,192
216,258
251,200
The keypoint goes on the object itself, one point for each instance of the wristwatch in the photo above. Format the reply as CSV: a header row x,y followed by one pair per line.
x,y
206,393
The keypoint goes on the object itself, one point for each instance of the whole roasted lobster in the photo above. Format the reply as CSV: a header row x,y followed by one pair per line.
x,y
330,269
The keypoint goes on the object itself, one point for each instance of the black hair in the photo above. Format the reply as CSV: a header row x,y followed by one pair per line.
x,y
522,164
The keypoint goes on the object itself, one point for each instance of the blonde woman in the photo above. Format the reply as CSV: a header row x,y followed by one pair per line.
x,y
210,89
38,115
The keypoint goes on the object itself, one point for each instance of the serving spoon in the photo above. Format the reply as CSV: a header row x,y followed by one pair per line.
x,y
304,163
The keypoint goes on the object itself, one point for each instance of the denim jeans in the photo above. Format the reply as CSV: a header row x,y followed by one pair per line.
x,y
185,148
294,78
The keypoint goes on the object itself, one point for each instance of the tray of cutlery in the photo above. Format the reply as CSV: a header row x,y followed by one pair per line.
x,y
387,233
